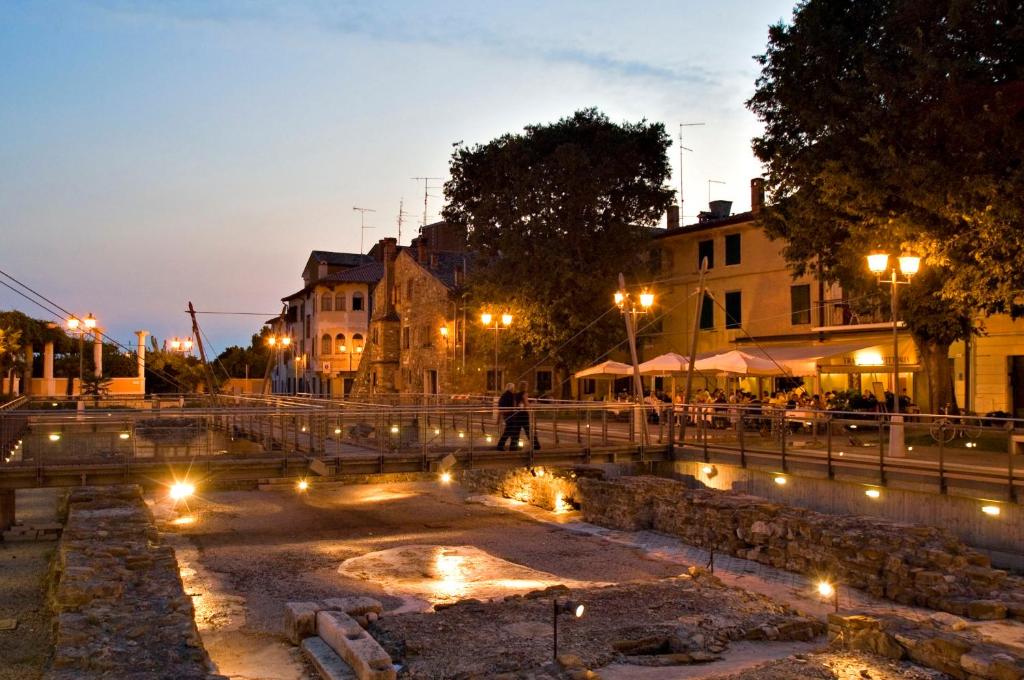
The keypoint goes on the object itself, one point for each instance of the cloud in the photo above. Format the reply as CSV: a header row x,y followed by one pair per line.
x,y
414,24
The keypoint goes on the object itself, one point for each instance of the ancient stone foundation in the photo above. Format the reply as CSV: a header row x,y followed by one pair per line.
x,y
943,644
902,562
120,608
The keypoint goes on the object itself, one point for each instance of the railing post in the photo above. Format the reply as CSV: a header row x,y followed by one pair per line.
x,y
828,448
589,439
942,456
741,429
671,411
704,437
604,427
1009,463
554,425
579,434
782,433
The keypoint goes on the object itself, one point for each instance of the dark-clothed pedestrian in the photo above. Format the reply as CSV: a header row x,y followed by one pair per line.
x,y
506,407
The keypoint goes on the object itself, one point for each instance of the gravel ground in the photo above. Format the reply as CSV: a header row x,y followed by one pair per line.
x,y
835,666
249,552
24,566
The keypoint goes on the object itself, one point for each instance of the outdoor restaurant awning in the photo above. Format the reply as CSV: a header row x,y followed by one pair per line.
x,y
776,361
665,364
605,369
739,362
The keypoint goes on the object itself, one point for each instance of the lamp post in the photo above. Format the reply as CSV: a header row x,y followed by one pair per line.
x,y
908,266
631,306
279,344
506,320
81,327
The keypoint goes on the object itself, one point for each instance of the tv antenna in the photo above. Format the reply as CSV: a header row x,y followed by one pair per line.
x,y
426,193
681,150
401,217
362,224
710,182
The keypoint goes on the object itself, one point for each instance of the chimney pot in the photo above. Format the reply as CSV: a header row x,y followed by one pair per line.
x,y
672,217
756,194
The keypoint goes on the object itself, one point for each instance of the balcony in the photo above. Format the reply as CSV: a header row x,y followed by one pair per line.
x,y
840,317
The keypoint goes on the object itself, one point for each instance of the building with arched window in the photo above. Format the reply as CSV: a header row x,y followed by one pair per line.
x,y
327,320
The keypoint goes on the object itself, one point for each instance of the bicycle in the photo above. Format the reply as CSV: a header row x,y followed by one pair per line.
x,y
946,428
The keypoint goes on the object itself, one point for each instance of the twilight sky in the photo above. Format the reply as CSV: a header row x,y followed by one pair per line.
x,y
153,153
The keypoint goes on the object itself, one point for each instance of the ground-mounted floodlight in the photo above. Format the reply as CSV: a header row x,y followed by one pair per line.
x,y
181,490
828,590
563,607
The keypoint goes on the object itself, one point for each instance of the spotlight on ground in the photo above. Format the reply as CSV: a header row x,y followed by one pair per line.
x,y
446,477
872,493
990,510
709,471
302,485
827,590
181,490
780,480
563,607
124,435
54,437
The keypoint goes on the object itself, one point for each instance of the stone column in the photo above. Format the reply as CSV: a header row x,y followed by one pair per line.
x,y
26,374
97,351
49,386
140,354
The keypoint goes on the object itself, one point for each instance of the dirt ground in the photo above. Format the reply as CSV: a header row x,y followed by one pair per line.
x,y
24,565
247,553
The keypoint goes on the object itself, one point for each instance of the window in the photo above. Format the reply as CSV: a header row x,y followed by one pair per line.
x,y
339,302
357,302
325,345
732,249
405,338
357,343
544,382
800,304
707,313
408,290
306,329
339,343
706,250
733,309
325,302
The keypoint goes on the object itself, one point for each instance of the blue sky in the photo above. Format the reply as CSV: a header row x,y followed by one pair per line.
x,y
153,153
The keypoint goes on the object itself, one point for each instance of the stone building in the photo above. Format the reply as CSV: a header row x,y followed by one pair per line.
x,y
327,322
754,301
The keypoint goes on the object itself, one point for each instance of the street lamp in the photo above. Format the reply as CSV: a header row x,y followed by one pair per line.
x,y
908,265
506,320
632,306
81,327
279,343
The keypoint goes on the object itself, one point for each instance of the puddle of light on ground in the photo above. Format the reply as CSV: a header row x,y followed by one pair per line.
x,y
425,575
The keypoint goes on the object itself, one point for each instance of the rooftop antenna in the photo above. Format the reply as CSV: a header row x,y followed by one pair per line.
x,y
426,194
401,217
681,150
710,182
362,225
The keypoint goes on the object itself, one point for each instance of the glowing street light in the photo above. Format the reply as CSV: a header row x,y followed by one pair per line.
x,y
563,607
908,266
630,308
827,590
486,318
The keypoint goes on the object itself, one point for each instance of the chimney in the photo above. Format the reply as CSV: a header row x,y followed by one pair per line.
x,y
672,217
421,250
389,246
720,209
756,194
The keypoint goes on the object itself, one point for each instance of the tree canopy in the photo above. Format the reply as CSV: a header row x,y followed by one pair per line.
x,y
899,124
555,213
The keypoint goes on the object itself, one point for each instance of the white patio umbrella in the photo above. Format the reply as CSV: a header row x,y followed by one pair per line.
x,y
665,364
742,363
605,368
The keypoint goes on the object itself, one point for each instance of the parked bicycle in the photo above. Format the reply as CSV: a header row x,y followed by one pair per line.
x,y
947,428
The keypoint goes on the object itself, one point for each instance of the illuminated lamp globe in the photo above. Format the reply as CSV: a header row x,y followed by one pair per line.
x,y
878,263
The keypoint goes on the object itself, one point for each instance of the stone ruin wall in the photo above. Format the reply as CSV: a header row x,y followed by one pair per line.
x,y
545,488
120,608
907,563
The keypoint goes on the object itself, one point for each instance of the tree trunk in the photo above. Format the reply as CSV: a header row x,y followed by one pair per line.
x,y
935,360
564,381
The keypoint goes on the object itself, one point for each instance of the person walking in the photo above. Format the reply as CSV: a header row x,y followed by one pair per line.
x,y
521,418
506,404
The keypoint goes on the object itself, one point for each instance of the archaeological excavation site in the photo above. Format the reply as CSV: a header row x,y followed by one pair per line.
x,y
615,571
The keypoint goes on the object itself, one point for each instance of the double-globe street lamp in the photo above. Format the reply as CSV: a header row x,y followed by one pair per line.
x,y
81,327
908,266
280,344
491,323
632,305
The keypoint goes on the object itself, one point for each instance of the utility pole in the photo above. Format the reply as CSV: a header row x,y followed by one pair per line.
x,y
207,371
693,347
273,354
362,224
426,194
681,150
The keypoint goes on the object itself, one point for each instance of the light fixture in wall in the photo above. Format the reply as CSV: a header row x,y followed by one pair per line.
x,y
873,493
780,480
991,510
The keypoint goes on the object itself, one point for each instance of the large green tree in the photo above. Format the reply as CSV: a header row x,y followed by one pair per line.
x,y
242,361
897,124
555,213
